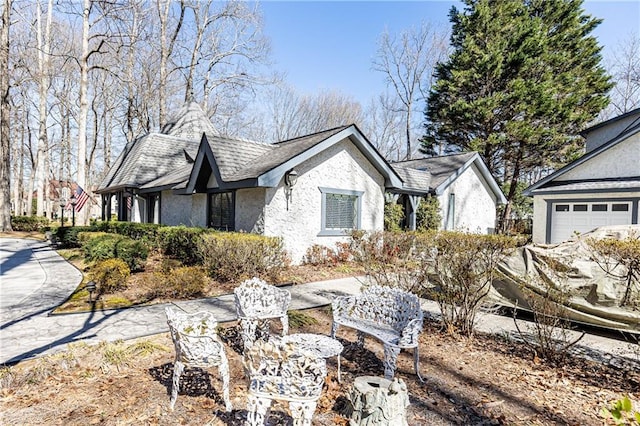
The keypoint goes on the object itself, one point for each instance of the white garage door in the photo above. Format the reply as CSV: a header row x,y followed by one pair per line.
x,y
569,218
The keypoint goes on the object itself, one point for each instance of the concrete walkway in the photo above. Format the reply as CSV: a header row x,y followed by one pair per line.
x,y
34,279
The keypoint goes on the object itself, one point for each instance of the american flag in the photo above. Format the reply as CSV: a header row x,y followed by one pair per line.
x,y
81,198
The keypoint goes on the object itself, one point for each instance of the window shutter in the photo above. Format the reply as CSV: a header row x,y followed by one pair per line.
x,y
340,211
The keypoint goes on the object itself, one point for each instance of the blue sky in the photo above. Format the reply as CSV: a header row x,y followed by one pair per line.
x,y
331,44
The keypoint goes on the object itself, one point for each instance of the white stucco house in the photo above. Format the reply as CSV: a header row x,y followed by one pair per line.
x,y
598,189
466,191
308,190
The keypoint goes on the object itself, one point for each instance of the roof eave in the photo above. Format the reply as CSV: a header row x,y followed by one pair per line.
x,y
272,177
484,171
589,155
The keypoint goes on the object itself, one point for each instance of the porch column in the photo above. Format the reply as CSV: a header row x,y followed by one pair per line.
x,y
415,202
108,211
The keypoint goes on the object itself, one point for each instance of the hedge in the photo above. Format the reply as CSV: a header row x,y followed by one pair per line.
x,y
29,223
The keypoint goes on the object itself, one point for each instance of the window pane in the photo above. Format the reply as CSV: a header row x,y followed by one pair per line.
x,y
620,207
599,208
341,211
580,208
221,211
562,207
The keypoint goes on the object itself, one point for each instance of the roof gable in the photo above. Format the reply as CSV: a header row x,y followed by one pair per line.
x,y
444,170
558,174
602,133
148,158
242,163
301,149
189,122
155,156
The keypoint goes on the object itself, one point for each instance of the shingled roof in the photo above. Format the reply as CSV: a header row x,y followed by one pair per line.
x,y
280,153
156,156
439,168
434,174
173,157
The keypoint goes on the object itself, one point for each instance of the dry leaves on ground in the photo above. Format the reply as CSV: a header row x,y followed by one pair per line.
x,y
482,381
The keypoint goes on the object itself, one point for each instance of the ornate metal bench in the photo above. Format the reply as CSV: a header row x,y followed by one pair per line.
x,y
388,314
256,304
197,345
282,371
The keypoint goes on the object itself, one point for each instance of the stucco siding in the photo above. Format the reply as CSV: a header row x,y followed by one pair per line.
x,y
298,218
183,209
475,204
249,212
541,221
619,161
605,133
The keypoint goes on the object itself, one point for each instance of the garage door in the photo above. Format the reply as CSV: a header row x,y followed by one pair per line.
x,y
569,218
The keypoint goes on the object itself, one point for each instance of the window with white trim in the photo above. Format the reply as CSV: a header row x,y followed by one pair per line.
x,y
341,210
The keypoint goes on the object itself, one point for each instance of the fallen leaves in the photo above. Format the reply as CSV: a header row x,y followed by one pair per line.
x,y
471,381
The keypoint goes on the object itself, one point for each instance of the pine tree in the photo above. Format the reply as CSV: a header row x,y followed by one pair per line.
x,y
523,79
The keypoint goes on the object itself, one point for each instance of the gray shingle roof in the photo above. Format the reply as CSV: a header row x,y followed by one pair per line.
x,y
189,122
158,159
630,184
549,179
440,168
415,179
233,157
155,155
280,153
174,179
149,158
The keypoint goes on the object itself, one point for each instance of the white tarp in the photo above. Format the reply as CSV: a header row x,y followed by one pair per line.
x,y
595,296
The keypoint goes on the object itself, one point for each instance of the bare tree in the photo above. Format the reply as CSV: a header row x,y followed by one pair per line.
x,y
383,124
43,31
625,68
168,35
408,61
293,115
5,110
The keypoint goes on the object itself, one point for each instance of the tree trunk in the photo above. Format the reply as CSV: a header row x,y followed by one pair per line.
x,y
43,88
81,179
5,110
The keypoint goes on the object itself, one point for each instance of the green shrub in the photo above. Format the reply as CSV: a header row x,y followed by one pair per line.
x,y
393,215
134,253
85,236
110,275
428,215
145,232
29,223
67,237
108,246
100,248
232,256
181,243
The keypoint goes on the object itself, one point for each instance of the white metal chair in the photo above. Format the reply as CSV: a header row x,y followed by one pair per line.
x,y
256,304
197,345
284,372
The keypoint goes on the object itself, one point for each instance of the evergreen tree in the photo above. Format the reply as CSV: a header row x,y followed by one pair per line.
x,y
523,79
